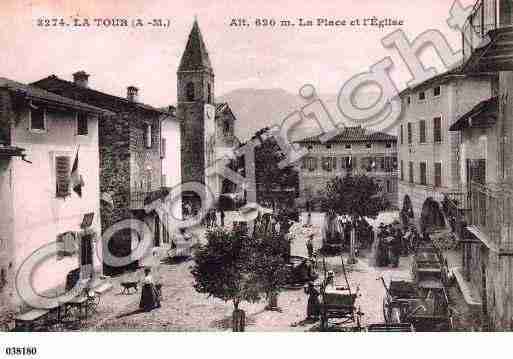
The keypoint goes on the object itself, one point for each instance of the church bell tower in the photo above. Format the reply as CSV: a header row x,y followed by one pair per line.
x,y
195,108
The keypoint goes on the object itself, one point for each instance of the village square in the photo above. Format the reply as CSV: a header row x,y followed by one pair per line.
x,y
118,215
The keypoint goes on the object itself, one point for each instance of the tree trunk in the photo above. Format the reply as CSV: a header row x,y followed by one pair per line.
x,y
238,318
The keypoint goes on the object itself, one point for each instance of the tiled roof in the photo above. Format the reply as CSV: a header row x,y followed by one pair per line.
x,y
195,56
36,93
55,84
483,115
355,134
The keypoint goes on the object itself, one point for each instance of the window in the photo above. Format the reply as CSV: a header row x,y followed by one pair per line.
x,y
62,176
162,148
389,164
309,147
82,124
422,96
310,163
328,147
389,186
410,172
3,278
388,145
348,146
408,100
226,128
37,119
86,250
422,131
329,163
423,179
436,91
189,92
401,135
368,145
147,136
437,129
402,170
438,174
66,245
409,132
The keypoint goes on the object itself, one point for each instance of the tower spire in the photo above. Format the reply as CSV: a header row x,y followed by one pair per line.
x,y
195,56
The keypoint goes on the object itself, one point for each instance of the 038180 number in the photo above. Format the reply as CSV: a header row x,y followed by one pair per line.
x,y
21,351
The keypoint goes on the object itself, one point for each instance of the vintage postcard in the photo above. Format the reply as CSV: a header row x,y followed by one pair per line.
x,y
285,166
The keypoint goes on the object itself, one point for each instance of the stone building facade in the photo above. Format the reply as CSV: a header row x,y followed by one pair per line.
x,y
130,158
353,150
44,136
429,158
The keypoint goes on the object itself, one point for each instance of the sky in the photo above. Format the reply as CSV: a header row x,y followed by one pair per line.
x,y
242,57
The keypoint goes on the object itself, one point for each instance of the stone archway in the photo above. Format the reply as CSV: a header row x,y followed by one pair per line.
x,y
431,216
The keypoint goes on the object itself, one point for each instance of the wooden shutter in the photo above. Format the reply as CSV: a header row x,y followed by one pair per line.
x,y
163,148
62,176
86,256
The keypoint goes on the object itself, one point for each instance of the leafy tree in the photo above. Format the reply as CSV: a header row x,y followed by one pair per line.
x,y
356,196
270,266
224,269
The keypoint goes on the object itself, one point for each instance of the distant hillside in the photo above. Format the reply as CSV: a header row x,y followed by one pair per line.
x,y
257,108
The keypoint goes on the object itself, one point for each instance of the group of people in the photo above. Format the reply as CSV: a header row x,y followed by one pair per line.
x,y
215,218
394,241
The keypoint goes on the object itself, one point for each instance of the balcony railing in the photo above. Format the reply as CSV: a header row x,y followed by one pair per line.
x,y
482,19
492,215
458,211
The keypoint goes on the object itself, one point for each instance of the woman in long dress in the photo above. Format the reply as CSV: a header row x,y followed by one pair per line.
x,y
149,296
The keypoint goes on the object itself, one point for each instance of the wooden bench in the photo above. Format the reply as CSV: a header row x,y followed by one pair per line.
x,y
29,320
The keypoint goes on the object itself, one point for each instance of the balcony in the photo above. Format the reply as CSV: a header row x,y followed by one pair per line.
x,y
457,208
492,216
140,199
487,37
482,19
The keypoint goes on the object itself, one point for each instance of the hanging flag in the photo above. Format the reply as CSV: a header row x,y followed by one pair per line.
x,y
77,181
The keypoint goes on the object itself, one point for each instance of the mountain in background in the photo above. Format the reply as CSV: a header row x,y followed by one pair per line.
x,y
258,108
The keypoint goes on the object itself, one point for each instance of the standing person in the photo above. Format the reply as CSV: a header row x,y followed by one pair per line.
x,y
309,246
222,215
312,308
149,296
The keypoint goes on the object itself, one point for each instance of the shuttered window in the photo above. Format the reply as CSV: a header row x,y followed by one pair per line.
x,y
66,245
438,174
422,131
423,175
37,119
163,148
409,133
62,176
86,250
147,136
437,129
410,172
329,163
82,125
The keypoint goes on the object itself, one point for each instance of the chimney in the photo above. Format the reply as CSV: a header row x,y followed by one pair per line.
x,y
132,93
81,78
